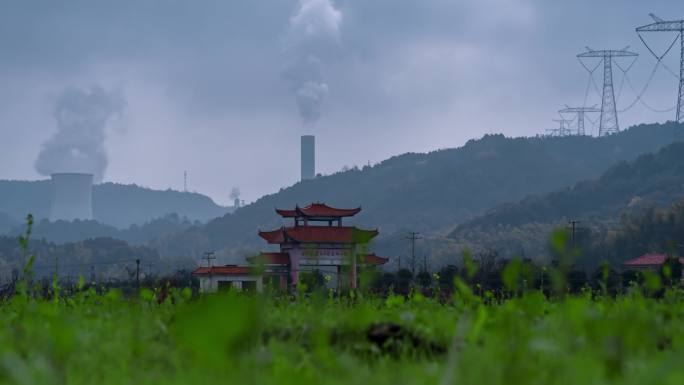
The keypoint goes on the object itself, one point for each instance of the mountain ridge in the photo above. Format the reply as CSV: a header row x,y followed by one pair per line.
x,y
114,204
429,192
627,188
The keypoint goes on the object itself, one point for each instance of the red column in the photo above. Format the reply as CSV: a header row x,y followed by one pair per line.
x,y
295,254
338,279
282,282
352,271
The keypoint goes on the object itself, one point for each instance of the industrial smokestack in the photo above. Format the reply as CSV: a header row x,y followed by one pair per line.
x,y
72,196
308,156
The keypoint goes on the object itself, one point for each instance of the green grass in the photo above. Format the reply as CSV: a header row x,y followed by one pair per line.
x,y
90,338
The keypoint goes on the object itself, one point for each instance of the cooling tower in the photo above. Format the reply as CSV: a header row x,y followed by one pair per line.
x,y
308,156
72,196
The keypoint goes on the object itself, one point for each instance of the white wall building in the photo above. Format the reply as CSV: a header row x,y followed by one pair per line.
x,y
219,278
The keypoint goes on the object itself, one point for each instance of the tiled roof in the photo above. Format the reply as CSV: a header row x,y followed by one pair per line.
x,y
318,210
319,234
649,260
284,259
372,259
228,270
275,236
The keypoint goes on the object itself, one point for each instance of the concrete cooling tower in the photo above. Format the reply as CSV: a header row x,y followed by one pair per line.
x,y
72,196
308,161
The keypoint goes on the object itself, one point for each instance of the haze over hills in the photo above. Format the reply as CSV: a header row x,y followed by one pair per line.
x,y
432,192
74,231
92,259
114,204
7,223
627,188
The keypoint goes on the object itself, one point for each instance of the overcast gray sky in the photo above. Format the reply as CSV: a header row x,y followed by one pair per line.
x,y
205,90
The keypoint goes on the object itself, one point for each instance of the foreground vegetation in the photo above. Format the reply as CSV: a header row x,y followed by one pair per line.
x,y
469,330
170,336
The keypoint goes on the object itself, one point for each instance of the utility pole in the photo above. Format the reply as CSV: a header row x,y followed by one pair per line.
x,y
185,181
209,256
609,115
137,273
413,237
573,224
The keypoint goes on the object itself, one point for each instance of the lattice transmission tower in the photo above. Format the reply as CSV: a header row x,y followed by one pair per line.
x,y
562,129
661,25
608,123
580,113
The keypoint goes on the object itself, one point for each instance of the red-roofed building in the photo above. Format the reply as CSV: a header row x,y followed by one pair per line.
x,y
318,212
648,262
316,240
229,277
318,234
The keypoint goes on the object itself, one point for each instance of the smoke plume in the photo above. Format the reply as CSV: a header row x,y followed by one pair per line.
x,y
78,144
310,44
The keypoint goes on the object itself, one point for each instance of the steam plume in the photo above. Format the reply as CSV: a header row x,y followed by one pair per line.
x,y
78,144
310,44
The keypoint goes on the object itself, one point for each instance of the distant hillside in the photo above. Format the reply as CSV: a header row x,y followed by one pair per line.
x,y
656,230
113,204
148,233
92,258
122,205
6,223
433,192
628,187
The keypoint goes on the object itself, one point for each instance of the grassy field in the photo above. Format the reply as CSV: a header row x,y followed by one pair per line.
x,y
91,338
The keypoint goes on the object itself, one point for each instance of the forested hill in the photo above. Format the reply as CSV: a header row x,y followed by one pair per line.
x,y
435,191
652,179
7,223
113,204
628,187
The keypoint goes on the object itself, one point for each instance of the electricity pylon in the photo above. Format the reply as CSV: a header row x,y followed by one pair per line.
x,y
609,116
562,129
661,25
580,111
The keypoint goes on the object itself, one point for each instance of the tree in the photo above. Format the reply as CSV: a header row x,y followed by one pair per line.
x,y
672,270
424,279
404,281
382,282
446,277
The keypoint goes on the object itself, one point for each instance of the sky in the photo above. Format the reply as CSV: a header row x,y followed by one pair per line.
x,y
224,89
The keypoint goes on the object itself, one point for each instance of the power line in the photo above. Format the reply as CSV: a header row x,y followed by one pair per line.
x,y
641,100
661,25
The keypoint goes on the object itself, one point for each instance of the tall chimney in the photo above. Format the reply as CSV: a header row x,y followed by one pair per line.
x,y
72,196
308,156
